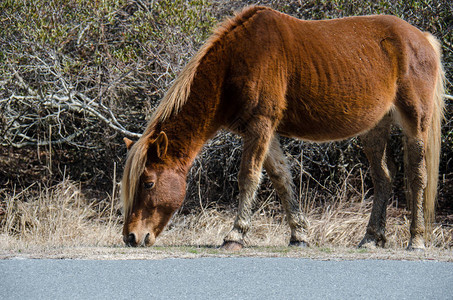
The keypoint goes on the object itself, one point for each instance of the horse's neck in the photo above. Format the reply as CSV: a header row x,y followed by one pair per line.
x,y
198,119
189,129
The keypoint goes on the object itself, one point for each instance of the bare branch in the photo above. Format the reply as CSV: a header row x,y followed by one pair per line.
x,y
35,142
73,104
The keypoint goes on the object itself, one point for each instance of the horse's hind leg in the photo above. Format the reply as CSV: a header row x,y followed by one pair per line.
x,y
416,184
375,144
278,171
417,112
255,146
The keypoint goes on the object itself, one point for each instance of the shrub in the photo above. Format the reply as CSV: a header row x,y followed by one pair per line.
x,y
76,76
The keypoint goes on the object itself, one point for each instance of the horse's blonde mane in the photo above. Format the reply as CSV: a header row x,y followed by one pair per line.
x,y
171,104
179,92
134,168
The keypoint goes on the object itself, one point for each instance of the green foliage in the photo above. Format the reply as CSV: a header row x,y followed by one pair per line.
x,y
96,33
325,250
190,17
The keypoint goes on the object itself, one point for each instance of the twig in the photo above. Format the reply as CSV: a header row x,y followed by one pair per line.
x,y
35,142
72,104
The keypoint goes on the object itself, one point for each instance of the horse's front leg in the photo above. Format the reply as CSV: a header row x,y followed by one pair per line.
x,y
255,143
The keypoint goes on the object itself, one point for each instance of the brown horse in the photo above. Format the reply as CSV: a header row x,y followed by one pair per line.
x,y
264,74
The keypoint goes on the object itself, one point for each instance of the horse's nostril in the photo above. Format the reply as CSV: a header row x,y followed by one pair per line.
x,y
130,239
147,239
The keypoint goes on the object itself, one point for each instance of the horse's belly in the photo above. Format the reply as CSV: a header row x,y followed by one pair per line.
x,y
331,122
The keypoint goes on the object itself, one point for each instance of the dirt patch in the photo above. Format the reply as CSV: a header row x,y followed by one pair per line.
x,y
318,253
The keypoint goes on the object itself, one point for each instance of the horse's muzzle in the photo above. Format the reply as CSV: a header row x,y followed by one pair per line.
x,y
132,241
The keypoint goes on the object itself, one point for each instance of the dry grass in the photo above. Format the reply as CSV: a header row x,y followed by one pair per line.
x,y
341,224
59,217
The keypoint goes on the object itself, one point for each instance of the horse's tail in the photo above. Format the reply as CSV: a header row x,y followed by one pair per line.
x,y
434,135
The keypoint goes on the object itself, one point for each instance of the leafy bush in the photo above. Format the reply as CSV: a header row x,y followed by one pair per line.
x,y
76,76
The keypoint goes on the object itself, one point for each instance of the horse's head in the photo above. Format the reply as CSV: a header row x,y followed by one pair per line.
x,y
153,188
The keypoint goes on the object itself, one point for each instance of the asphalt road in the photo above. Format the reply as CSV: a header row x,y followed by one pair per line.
x,y
225,278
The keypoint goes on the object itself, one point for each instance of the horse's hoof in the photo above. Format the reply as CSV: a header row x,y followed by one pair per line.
x,y
415,249
300,244
367,244
232,246
371,242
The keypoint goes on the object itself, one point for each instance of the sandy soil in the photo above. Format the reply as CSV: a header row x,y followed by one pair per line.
x,y
163,252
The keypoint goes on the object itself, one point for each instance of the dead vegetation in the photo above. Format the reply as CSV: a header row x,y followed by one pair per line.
x,y
76,77
57,216
46,218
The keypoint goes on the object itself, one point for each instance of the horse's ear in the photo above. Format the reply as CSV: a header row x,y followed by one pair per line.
x,y
161,143
128,143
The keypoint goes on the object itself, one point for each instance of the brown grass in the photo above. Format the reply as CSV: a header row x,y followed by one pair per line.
x,y
341,224
60,217
57,216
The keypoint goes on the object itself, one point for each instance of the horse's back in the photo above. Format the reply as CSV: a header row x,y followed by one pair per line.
x,y
344,76
324,80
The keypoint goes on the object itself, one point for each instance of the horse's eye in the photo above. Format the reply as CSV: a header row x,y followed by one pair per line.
x,y
148,185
